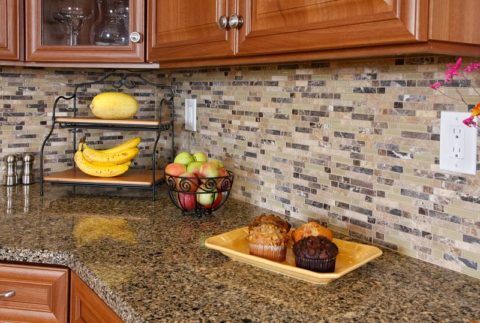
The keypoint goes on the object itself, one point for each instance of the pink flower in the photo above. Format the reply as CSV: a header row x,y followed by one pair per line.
x,y
470,121
472,67
452,70
436,85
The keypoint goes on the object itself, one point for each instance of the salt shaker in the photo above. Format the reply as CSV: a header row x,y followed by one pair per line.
x,y
27,177
19,168
10,178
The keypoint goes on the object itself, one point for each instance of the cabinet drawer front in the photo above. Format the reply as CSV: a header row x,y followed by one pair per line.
x,y
40,293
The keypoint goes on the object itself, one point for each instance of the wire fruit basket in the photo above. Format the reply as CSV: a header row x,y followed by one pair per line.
x,y
199,196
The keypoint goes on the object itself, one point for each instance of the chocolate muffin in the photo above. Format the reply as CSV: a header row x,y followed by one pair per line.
x,y
316,253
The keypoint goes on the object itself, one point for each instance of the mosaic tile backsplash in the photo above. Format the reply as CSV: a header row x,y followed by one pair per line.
x,y
354,144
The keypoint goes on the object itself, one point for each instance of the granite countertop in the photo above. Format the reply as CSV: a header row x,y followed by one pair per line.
x,y
148,263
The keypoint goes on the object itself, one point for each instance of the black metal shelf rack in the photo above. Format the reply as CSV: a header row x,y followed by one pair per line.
x,y
117,80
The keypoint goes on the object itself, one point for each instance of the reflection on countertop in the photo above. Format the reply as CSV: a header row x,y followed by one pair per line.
x,y
149,264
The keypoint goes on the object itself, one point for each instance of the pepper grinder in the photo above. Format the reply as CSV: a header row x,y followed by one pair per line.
x,y
10,178
27,177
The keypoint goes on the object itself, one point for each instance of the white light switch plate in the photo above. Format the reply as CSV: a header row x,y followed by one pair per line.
x,y
458,144
191,114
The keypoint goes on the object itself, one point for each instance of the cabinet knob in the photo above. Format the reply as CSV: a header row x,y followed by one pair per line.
x,y
223,22
235,21
7,294
135,37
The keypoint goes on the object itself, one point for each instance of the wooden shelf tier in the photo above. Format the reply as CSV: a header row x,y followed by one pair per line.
x,y
130,124
140,178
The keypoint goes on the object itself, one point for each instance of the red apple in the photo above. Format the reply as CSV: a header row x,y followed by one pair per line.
x,y
187,182
175,169
172,171
217,201
187,201
222,172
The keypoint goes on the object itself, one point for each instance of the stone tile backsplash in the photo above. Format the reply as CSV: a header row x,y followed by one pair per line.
x,y
353,144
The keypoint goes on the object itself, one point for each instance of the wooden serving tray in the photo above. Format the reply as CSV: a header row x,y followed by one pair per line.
x,y
351,255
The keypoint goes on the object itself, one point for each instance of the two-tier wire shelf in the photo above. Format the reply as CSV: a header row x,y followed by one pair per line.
x,y
147,179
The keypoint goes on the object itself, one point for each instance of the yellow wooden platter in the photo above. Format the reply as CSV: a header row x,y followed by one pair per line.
x,y
351,255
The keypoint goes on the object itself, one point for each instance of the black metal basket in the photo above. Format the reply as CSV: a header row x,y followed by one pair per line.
x,y
199,196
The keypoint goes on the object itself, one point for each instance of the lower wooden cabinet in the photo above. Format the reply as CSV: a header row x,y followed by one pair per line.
x,y
33,294
86,306
37,294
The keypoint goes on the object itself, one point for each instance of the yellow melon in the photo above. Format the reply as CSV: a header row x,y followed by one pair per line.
x,y
114,105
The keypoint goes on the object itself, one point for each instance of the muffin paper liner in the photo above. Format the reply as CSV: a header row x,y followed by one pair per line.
x,y
275,253
317,265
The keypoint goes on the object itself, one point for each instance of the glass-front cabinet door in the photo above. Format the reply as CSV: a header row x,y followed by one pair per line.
x,y
9,30
110,31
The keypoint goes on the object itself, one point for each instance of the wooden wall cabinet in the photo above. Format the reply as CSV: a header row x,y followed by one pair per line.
x,y
86,306
33,294
184,35
103,35
186,29
10,28
291,25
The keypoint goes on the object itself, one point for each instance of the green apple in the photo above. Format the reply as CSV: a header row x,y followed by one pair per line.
x,y
217,162
194,167
208,198
200,157
183,158
208,170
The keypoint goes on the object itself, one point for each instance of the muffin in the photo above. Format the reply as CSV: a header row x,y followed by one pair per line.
x,y
315,253
311,229
268,236
271,219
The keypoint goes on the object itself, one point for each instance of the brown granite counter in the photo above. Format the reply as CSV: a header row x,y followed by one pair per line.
x,y
149,264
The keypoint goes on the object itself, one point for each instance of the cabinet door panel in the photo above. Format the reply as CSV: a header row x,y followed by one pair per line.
x,y
186,29
455,21
93,32
40,294
304,25
86,306
9,30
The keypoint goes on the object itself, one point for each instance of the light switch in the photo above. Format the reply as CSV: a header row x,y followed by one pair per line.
x,y
191,114
458,144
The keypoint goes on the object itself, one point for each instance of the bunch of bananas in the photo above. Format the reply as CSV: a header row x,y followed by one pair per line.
x,y
109,162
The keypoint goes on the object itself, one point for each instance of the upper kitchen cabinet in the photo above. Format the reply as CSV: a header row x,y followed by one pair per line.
x,y
189,29
10,30
273,26
268,31
85,31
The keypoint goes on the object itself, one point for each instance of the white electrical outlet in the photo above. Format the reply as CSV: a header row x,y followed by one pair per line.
x,y
458,144
191,114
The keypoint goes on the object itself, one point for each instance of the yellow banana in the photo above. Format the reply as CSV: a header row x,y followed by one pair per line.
x,y
92,155
131,143
98,171
109,164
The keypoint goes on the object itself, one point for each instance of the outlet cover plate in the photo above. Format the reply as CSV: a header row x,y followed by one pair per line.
x,y
191,114
458,144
